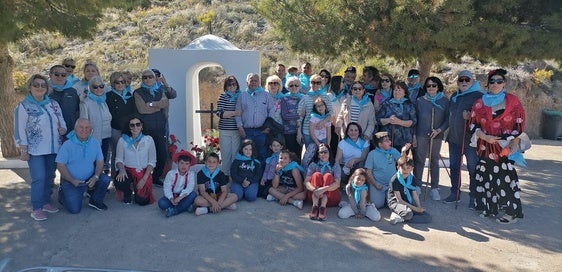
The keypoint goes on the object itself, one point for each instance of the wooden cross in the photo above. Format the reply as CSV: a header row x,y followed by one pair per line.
x,y
211,113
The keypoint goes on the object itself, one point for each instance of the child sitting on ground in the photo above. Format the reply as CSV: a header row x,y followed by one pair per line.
x,y
357,192
179,185
287,186
213,188
403,199
270,163
246,172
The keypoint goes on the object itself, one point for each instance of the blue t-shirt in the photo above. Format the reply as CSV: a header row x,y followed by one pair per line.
x,y
80,161
382,166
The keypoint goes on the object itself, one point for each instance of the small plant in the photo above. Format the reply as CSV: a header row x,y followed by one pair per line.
x,y
210,145
542,75
173,144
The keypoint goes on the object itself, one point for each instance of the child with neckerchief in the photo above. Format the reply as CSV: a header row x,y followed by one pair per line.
x,y
270,163
287,186
212,183
357,191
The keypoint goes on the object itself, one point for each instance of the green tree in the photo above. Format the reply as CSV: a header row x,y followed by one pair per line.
x,y
20,19
207,19
428,31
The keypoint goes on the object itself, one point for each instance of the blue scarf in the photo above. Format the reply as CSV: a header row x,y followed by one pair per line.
x,y
387,153
313,93
72,79
297,95
491,100
73,138
369,87
125,95
40,104
152,89
359,145
278,96
321,117
338,96
292,165
324,90
361,102
434,99
128,89
130,140
232,97
325,167
211,176
59,87
99,99
413,91
407,185
241,157
274,157
474,88
386,94
358,189
399,102
259,89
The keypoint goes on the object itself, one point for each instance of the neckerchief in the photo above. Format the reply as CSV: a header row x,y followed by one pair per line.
x,y
416,88
292,165
274,157
297,95
387,153
313,93
491,100
73,138
321,117
41,103
407,185
386,94
399,102
211,176
338,96
324,90
232,96
278,96
369,87
259,89
325,167
98,99
358,189
59,87
361,102
474,88
152,89
130,140
241,157
359,145
434,99
125,95
72,79
129,89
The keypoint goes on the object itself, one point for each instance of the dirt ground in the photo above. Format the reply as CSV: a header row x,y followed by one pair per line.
x,y
263,236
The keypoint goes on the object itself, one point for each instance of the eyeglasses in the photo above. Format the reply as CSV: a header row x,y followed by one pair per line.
x,y
132,125
357,88
273,83
148,77
324,76
431,85
316,82
39,85
496,81
98,86
464,79
119,82
231,85
293,85
70,66
59,75
323,152
385,80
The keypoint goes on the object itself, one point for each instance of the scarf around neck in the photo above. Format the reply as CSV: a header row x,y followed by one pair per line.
x,y
274,157
297,95
130,140
211,176
491,100
257,90
325,167
241,157
98,99
357,191
232,97
59,87
319,116
360,144
474,88
84,144
152,89
407,185
292,165
364,100
125,95
46,100
433,100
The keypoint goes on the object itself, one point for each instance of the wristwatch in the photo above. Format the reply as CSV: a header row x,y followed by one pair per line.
x,y
97,177
150,104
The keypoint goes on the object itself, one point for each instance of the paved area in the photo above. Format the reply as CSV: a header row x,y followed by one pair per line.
x,y
264,236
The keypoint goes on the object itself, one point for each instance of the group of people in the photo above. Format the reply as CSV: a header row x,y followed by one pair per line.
x,y
369,137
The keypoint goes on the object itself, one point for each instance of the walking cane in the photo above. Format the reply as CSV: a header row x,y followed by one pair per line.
x,y
460,166
427,184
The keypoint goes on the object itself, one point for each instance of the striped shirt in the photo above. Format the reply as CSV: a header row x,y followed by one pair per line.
x,y
305,109
355,109
224,104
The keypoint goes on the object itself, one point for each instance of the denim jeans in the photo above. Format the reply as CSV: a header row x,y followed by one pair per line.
x,y
71,197
260,142
455,160
42,172
250,193
184,204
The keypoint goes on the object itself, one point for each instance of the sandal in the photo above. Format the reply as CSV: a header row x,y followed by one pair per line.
x,y
313,215
507,219
322,214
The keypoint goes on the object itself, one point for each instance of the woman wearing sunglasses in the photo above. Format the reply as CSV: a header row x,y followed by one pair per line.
x,y
39,124
95,109
90,70
322,182
135,160
229,138
498,122
357,108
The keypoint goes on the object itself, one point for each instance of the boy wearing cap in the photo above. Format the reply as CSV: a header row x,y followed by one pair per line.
x,y
179,185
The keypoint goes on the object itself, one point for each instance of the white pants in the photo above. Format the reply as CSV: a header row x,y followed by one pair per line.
x,y
371,212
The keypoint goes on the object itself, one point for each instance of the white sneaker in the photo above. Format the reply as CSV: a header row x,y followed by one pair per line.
x,y
435,194
342,204
201,211
395,218
270,198
298,204
232,207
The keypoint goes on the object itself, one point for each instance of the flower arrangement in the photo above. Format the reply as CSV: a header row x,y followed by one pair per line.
x,y
210,145
173,144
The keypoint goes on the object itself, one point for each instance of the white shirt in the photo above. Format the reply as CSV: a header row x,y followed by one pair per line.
x,y
138,157
184,184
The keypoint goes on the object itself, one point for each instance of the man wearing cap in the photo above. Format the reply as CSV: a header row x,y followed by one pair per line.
x,y
349,77
69,64
414,86
65,95
459,135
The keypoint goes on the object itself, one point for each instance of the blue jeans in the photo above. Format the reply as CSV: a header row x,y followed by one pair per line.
x,y
250,193
71,197
184,204
259,139
42,172
455,160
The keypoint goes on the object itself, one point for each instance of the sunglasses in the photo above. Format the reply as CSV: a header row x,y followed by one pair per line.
x,y
431,85
231,84
98,86
385,80
496,81
158,75
39,85
357,88
324,76
293,85
273,83
70,66
119,82
147,77
316,82
323,152
464,79
132,125
59,75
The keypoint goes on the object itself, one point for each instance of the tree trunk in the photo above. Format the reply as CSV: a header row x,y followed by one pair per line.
x,y
425,62
7,103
